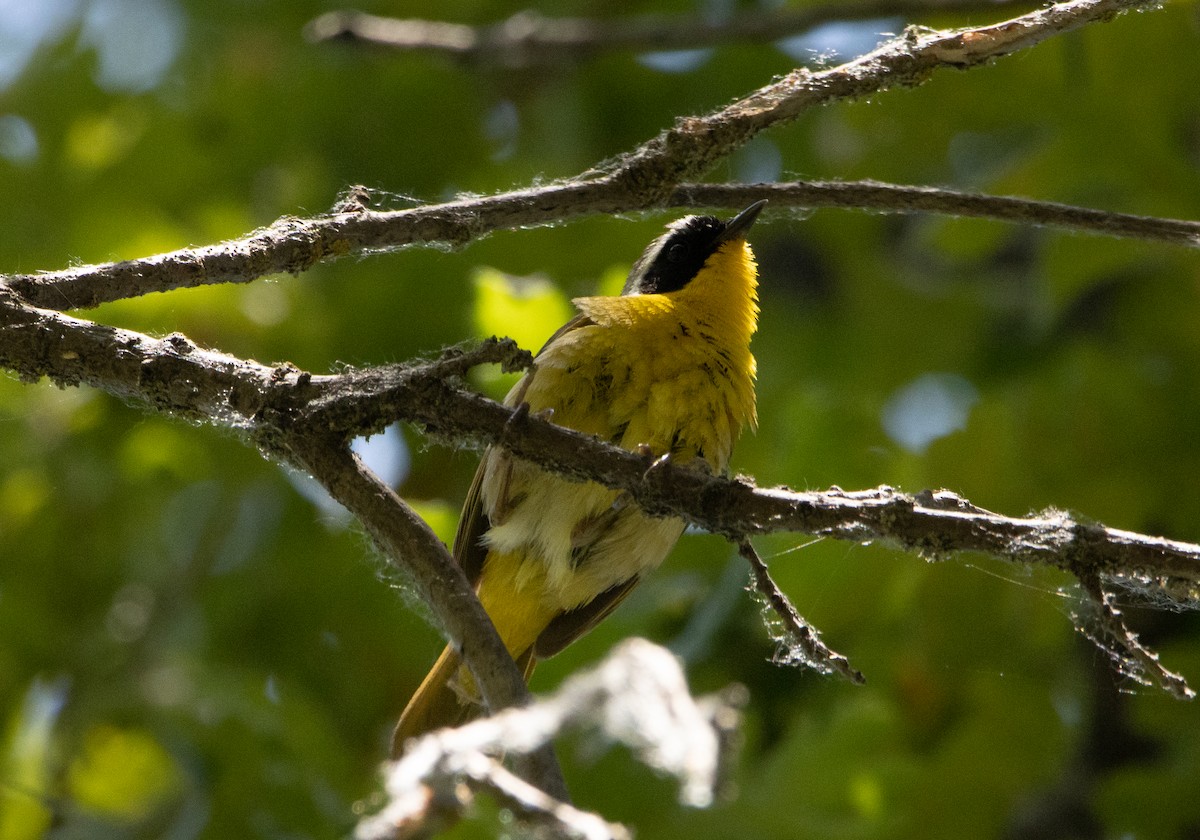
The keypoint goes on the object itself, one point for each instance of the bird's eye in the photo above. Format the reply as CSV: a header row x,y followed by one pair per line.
x,y
676,253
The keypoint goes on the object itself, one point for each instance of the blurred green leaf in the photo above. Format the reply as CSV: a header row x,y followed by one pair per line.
x,y
122,773
525,309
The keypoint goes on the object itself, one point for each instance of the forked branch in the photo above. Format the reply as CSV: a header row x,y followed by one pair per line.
x,y
273,405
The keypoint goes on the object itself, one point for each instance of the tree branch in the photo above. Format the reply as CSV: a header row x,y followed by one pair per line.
x,y
292,245
638,696
799,643
931,523
272,404
439,581
695,144
174,376
656,174
877,197
530,39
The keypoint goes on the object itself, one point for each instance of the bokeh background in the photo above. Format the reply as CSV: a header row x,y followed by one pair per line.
x,y
193,643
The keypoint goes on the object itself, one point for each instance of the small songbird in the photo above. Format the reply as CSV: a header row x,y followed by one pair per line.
x,y
664,367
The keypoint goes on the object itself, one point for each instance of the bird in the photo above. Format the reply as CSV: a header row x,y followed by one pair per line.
x,y
664,368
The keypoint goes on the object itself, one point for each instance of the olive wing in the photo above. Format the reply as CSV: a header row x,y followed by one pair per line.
x,y
469,548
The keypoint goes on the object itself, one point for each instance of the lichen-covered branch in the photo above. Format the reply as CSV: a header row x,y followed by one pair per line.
x,y
877,197
695,144
638,696
174,376
659,173
440,582
293,245
799,643
273,405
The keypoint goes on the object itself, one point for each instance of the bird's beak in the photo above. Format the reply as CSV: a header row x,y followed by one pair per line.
x,y
736,227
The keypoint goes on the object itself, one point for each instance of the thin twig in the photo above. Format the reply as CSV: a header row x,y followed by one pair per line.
x,y
802,643
1108,630
877,197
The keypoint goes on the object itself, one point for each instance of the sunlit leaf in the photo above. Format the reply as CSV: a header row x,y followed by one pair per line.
x,y
123,773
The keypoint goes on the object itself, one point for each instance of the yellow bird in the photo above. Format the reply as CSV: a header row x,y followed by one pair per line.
x,y
666,365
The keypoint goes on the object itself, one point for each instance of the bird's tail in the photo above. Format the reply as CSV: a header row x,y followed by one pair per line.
x,y
434,705
440,700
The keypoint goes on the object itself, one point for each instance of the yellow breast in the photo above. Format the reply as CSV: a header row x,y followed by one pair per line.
x,y
671,371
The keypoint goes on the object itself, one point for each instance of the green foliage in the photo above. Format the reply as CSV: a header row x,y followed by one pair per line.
x,y
191,647
526,309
